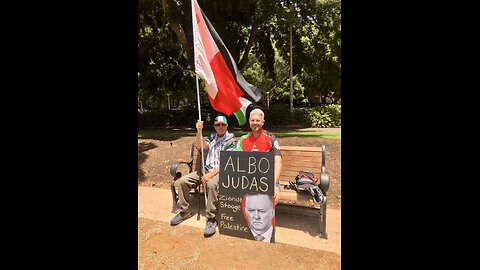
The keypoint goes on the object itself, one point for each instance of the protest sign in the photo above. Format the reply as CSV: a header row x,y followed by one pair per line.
x,y
246,194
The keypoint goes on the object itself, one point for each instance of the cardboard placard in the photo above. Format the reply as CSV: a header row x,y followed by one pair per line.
x,y
245,200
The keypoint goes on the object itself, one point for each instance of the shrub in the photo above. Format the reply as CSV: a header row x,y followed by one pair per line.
x,y
277,115
184,116
335,113
320,116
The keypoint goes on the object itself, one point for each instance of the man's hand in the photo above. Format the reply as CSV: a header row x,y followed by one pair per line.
x,y
199,125
206,177
276,196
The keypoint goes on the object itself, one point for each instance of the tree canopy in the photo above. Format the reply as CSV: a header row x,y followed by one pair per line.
x,y
257,34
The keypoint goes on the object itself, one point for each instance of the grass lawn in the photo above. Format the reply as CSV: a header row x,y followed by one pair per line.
x,y
173,134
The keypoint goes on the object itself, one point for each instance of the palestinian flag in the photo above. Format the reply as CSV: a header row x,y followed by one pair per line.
x,y
226,88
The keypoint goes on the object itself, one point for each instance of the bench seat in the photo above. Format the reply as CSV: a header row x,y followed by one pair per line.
x,y
294,159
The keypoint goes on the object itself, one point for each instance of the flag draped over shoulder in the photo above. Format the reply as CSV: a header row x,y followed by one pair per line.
x,y
226,88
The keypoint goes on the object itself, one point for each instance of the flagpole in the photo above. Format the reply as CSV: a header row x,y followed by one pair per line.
x,y
201,145
199,114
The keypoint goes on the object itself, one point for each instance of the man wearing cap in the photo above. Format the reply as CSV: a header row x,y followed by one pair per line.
x,y
220,141
263,141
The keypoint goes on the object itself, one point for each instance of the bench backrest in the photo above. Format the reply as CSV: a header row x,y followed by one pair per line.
x,y
296,158
196,154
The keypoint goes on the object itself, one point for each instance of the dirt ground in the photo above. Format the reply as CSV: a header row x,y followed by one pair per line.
x,y
161,246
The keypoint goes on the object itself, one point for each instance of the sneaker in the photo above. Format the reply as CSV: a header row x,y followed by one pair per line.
x,y
210,227
180,217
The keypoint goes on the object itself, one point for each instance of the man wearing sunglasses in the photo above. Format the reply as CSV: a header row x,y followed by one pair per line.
x,y
221,140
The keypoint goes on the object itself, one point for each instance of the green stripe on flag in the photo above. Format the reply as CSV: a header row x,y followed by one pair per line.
x,y
240,117
241,114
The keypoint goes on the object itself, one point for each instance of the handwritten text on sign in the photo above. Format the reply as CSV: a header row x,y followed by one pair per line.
x,y
242,173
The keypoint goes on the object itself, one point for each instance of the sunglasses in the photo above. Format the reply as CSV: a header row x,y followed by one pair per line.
x,y
220,124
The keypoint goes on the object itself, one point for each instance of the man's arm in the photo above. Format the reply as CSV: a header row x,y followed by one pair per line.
x,y
206,177
231,145
199,126
278,166
278,170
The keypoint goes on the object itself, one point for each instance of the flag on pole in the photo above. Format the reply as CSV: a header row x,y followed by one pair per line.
x,y
226,88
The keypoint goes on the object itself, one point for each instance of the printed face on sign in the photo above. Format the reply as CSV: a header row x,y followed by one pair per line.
x,y
259,211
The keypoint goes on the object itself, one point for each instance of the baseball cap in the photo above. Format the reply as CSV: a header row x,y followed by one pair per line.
x,y
221,119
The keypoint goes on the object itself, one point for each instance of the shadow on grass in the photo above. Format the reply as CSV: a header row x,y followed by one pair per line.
x,y
166,134
304,134
177,133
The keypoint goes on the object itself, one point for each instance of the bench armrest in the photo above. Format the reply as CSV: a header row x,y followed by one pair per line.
x,y
174,167
324,176
324,182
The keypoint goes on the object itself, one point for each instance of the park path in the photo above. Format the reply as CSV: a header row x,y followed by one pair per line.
x,y
295,225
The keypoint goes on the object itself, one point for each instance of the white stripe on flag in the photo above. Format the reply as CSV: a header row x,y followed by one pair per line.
x,y
205,49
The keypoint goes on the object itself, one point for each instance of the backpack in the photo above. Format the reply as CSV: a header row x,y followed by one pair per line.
x,y
307,182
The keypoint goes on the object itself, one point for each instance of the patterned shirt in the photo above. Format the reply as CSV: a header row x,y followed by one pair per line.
x,y
215,145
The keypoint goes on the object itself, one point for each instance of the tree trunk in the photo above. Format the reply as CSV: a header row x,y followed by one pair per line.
x,y
177,28
251,41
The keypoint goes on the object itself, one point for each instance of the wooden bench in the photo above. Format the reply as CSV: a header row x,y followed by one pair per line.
x,y
294,159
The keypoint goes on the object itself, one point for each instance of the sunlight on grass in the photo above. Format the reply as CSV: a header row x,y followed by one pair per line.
x,y
304,134
165,134
330,135
175,134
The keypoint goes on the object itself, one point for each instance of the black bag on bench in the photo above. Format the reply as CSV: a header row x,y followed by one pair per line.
x,y
306,181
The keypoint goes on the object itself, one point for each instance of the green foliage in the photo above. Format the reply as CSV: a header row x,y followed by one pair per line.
x,y
184,116
335,113
316,117
151,119
259,29
277,115
277,88
163,118
322,116
169,134
162,63
308,134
